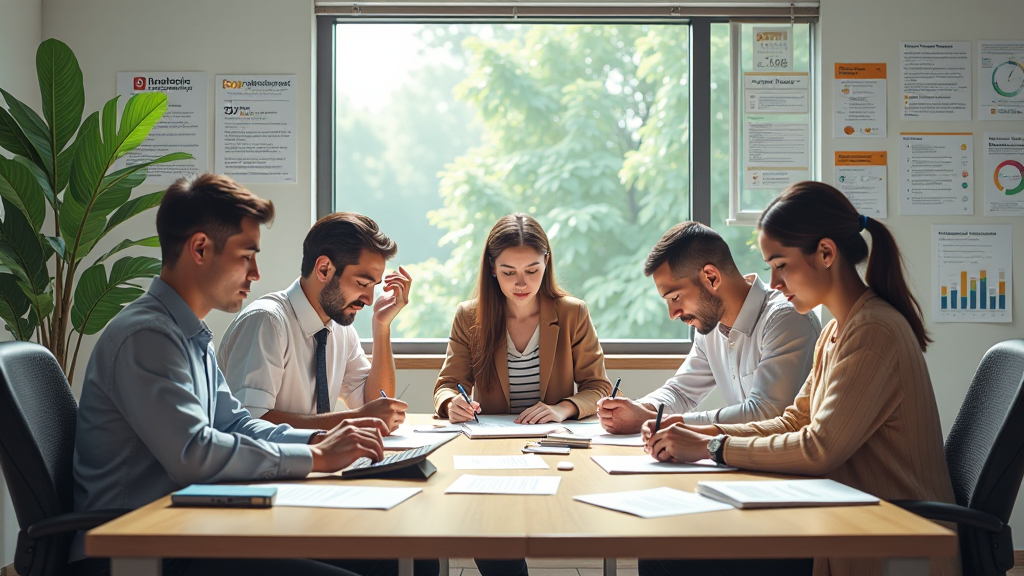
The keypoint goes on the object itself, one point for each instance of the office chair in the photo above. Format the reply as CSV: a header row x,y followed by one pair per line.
x,y
985,456
37,441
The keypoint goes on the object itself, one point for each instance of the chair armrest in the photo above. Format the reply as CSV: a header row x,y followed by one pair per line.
x,y
73,522
944,512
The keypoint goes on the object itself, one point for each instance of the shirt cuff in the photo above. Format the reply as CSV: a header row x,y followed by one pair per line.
x,y
296,459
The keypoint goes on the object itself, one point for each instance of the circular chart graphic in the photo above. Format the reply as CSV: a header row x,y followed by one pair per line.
x,y
1008,78
1011,165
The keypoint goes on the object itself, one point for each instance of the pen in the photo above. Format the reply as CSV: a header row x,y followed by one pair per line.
x,y
657,421
468,401
383,395
616,389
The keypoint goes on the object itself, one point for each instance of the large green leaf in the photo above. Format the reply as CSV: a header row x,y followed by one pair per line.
x,y
98,298
19,187
41,179
33,128
13,306
150,242
42,303
62,91
13,139
141,113
21,249
132,208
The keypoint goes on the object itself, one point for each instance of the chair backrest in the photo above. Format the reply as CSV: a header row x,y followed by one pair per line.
x,y
985,446
37,440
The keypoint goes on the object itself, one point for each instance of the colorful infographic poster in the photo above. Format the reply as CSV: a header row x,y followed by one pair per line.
x,y
1004,174
773,49
1001,80
858,98
861,177
935,80
936,173
183,128
973,275
257,127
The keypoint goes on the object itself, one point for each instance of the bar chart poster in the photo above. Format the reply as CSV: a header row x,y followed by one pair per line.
x,y
973,279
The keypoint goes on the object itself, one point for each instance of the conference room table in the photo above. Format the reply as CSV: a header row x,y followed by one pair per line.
x,y
433,524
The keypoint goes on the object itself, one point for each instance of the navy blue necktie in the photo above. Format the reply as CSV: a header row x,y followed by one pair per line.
x,y
323,398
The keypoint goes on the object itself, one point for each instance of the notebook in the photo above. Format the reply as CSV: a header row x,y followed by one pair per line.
x,y
223,495
784,493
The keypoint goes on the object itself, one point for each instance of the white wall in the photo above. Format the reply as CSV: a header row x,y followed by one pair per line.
x,y
20,33
869,31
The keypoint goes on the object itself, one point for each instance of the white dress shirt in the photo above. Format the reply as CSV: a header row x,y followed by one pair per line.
x,y
268,355
759,364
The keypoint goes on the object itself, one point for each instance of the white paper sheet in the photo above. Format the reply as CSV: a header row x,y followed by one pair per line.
x,y
1001,80
859,101
861,177
654,503
504,426
936,174
407,437
935,81
257,127
1004,173
500,462
645,464
617,440
523,485
784,493
361,497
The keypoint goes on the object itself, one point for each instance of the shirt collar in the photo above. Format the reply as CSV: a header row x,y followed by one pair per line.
x,y
753,304
180,312
309,320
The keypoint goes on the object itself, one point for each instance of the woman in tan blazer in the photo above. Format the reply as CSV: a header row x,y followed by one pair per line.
x,y
519,310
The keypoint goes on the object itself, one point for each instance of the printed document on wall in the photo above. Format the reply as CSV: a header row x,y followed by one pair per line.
x,y
777,153
935,80
936,173
1004,174
861,177
773,49
858,101
257,141
183,128
973,276
1001,80
776,93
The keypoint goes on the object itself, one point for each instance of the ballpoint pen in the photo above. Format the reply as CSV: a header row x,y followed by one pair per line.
x,y
657,421
615,390
468,401
383,395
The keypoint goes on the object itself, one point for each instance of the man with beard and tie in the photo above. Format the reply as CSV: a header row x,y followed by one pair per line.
x,y
290,355
750,341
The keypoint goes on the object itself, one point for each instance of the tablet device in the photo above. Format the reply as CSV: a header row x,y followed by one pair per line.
x,y
225,496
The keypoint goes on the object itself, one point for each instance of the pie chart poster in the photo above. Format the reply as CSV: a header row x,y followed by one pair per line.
x,y
1004,174
1001,80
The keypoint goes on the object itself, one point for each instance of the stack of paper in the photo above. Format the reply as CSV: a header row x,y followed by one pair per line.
x,y
504,426
647,465
528,462
784,493
321,496
566,441
654,503
522,485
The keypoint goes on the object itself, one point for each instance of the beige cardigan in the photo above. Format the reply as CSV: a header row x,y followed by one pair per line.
x,y
866,417
569,354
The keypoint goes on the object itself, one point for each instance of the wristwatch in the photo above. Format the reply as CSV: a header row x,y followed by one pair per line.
x,y
716,449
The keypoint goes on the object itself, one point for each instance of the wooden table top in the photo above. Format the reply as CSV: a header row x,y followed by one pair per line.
x,y
433,524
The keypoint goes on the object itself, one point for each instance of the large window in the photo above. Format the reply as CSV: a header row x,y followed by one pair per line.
x,y
443,127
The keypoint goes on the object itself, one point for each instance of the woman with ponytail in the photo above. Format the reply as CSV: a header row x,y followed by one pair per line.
x,y
866,416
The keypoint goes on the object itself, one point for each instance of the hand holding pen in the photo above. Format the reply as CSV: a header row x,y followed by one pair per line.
x,y
461,408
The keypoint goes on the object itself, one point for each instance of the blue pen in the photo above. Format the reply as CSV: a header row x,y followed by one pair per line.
x,y
616,389
383,395
468,401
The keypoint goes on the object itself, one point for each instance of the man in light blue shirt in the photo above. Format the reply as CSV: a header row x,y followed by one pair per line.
x,y
156,414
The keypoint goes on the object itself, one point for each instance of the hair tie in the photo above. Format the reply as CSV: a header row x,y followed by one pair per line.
x,y
863,222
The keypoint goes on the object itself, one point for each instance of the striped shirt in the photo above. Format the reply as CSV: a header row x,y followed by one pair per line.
x,y
524,373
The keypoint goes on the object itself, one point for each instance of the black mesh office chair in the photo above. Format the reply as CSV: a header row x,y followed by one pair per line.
x,y
985,455
37,441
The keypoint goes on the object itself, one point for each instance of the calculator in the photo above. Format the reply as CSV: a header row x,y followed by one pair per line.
x,y
407,464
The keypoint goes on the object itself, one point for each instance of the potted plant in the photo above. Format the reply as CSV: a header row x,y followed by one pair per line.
x,y
51,287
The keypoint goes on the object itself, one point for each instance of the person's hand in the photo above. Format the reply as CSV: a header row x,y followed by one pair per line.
x,y
541,413
648,426
347,442
460,411
389,305
390,410
621,415
677,443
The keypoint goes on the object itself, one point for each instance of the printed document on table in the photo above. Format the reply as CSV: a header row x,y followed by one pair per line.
x,y
973,273
500,462
1004,174
407,437
654,503
617,440
935,81
861,177
504,426
1001,80
360,497
183,128
936,173
645,464
784,493
522,485
858,101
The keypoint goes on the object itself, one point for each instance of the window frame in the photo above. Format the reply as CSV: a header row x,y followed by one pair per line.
x,y
698,21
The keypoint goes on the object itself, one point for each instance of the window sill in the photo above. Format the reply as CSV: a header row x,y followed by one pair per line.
x,y
611,361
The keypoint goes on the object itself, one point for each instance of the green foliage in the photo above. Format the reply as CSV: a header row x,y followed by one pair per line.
x,y
38,271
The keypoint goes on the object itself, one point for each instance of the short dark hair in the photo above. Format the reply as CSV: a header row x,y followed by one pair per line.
x,y
688,247
342,237
208,203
